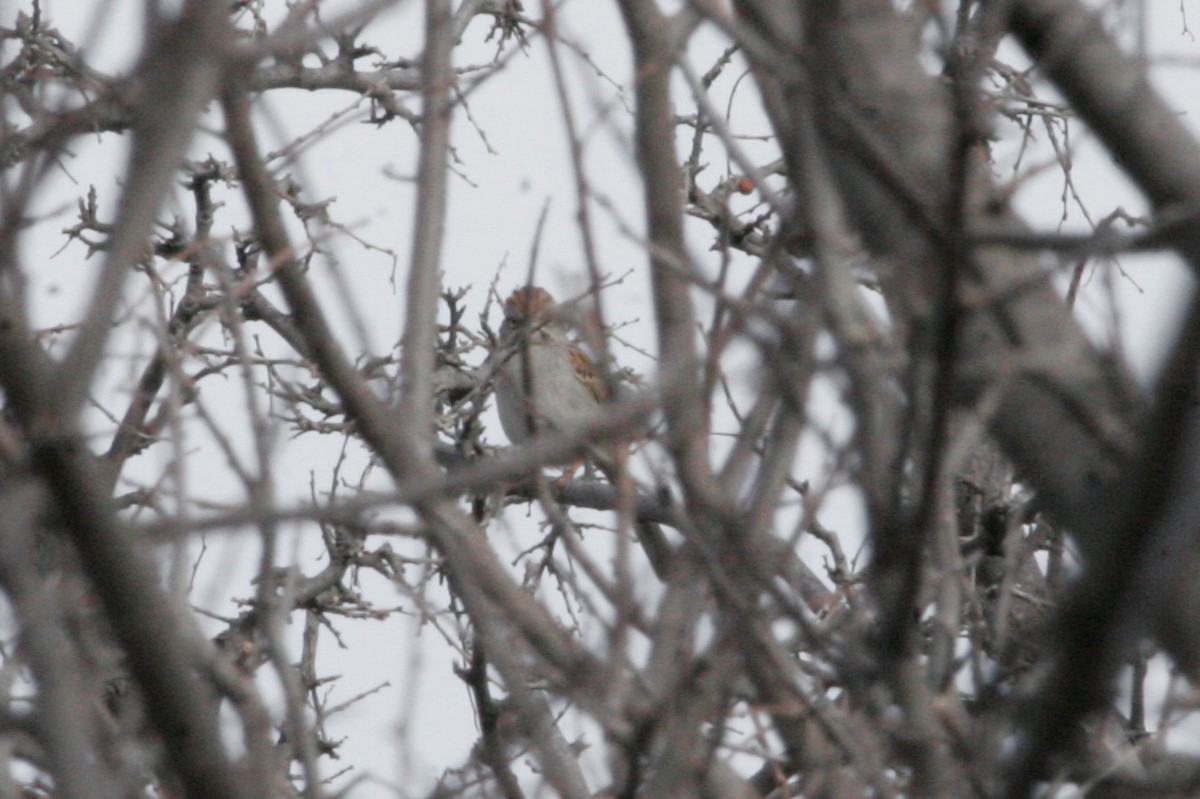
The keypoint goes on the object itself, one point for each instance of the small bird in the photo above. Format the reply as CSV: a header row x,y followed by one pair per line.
x,y
545,380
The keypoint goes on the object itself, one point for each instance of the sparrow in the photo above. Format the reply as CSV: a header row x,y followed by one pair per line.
x,y
545,380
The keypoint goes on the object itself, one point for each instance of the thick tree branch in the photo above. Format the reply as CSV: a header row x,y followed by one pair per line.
x,y
179,76
654,54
